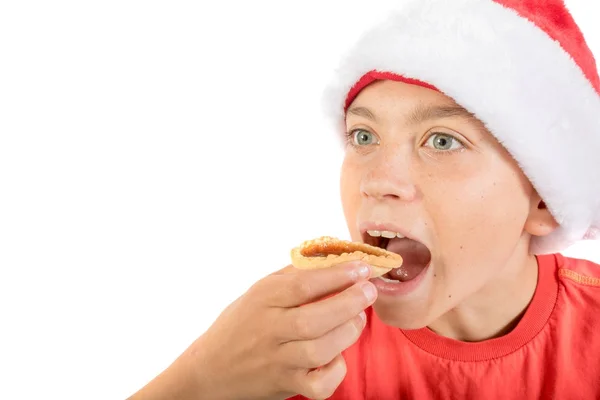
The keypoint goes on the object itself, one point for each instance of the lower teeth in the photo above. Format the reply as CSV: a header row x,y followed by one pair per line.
x,y
383,278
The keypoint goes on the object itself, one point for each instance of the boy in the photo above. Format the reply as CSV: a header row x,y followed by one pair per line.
x,y
471,129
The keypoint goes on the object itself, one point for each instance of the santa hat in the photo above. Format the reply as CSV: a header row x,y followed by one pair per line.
x,y
523,68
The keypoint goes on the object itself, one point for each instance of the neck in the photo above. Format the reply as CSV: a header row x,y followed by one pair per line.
x,y
496,309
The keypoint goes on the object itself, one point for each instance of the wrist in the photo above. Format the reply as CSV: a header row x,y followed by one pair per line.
x,y
204,377
184,379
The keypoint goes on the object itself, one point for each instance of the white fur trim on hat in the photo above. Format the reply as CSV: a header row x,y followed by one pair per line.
x,y
522,84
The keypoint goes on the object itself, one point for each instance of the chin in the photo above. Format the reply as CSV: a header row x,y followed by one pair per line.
x,y
399,317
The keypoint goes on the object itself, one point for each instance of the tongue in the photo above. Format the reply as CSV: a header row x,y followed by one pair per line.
x,y
416,256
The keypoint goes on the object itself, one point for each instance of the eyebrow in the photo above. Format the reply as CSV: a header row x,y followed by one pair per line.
x,y
426,113
362,112
421,113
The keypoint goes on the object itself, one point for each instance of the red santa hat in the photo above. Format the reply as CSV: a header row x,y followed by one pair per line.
x,y
523,68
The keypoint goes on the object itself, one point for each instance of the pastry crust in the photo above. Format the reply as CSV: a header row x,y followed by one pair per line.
x,y
327,251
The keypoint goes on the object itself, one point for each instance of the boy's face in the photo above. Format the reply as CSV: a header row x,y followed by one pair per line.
x,y
416,163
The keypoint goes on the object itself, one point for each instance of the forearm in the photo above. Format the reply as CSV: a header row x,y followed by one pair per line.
x,y
182,380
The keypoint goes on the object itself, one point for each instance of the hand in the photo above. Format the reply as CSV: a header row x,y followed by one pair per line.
x,y
269,342
281,338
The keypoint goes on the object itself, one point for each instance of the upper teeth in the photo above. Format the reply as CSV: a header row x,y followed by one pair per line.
x,y
386,234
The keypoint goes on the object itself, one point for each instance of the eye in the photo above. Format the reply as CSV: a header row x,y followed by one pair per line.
x,y
361,137
444,142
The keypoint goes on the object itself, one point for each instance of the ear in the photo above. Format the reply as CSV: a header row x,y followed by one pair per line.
x,y
540,221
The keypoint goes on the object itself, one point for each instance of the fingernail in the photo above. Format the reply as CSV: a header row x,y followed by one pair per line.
x,y
362,270
363,316
369,290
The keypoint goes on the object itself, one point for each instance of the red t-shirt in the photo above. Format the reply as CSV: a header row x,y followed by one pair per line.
x,y
553,353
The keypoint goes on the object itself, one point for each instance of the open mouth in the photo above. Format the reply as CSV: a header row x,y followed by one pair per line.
x,y
415,254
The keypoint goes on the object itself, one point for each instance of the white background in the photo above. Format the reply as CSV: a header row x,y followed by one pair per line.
x,y
157,158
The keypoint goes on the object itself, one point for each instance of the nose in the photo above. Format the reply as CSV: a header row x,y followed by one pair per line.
x,y
382,182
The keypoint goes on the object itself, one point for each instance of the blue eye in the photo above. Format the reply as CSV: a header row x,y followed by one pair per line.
x,y
444,142
360,137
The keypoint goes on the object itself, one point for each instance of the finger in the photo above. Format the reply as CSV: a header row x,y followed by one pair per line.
x,y
316,319
321,351
305,286
322,383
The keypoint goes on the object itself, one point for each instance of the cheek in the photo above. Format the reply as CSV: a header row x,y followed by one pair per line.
x,y
478,214
350,192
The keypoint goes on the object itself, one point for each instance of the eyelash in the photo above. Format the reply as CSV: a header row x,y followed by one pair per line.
x,y
446,152
349,139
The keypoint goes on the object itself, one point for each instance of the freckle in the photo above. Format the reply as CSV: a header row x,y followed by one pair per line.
x,y
449,296
434,275
461,247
